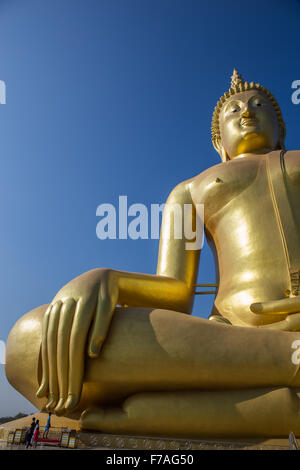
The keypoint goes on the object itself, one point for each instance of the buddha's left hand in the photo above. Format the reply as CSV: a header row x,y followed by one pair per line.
x,y
289,306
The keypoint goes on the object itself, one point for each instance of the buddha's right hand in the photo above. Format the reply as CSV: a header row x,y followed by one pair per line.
x,y
85,304
289,306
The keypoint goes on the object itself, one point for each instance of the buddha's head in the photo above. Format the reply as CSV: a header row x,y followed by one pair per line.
x,y
246,120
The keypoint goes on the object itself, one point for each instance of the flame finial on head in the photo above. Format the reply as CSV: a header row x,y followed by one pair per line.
x,y
236,78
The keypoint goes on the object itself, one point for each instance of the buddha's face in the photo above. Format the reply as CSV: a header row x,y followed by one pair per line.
x,y
248,124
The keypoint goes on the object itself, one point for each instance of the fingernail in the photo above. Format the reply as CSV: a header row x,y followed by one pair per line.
x,y
93,353
51,404
59,409
71,402
256,308
95,350
41,391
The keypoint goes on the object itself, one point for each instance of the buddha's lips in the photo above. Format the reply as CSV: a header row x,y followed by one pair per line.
x,y
248,122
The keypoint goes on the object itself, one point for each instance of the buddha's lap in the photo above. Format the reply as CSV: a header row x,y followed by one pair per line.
x,y
145,345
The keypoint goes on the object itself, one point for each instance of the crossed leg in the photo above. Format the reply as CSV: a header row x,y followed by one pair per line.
x,y
165,372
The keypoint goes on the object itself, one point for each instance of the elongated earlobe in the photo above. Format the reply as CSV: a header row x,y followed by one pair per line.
x,y
220,149
224,155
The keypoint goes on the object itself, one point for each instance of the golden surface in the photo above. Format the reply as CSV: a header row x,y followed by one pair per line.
x,y
148,367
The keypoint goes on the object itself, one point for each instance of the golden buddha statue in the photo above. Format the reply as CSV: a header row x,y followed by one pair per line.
x,y
118,351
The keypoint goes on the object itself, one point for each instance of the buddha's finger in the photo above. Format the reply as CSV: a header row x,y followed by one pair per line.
x,y
290,323
82,321
278,325
52,355
104,311
282,306
42,391
63,340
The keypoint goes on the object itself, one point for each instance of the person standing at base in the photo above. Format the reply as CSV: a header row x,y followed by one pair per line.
x,y
47,427
29,433
36,433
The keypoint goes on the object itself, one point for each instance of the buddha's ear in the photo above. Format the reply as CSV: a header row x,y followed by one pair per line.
x,y
220,149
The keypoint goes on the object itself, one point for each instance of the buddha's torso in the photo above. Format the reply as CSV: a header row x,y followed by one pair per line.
x,y
252,232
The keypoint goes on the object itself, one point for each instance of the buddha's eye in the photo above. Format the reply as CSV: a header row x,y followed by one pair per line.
x,y
258,103
233,110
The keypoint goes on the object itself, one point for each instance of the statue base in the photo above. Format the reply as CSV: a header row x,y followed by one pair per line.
x,y
93,439
118,442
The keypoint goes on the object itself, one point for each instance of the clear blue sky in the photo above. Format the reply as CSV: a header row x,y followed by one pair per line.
x,y
109,98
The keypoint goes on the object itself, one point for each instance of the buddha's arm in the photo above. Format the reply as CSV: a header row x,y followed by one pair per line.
x,y
154,291
80,314
173,285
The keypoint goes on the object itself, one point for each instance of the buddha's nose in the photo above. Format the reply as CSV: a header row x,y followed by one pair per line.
x,y
248,113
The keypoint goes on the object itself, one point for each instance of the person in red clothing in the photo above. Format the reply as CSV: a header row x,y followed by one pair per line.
x,y
36,433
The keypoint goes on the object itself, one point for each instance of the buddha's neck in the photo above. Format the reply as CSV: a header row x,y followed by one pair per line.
x,y
255,152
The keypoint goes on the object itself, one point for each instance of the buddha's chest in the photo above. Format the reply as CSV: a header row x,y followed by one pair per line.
x,y
252,185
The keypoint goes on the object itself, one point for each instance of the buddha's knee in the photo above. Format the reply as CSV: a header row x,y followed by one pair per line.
x,y
23,361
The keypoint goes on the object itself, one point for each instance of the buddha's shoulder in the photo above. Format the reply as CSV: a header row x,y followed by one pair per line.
x,y
186,186
292,165
292,157
293,154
